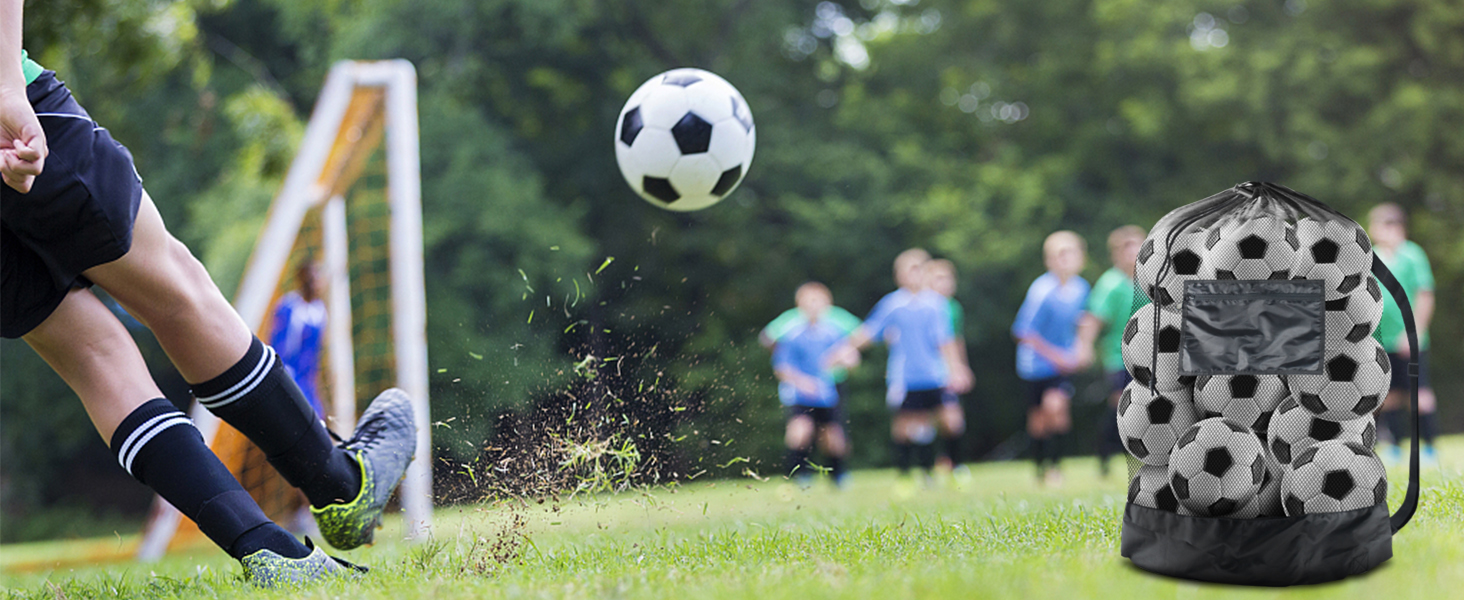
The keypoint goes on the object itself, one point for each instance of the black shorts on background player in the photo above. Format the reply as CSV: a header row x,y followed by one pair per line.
x,y
78,214
1039,387
1400,371
1119,379
821,415
922,399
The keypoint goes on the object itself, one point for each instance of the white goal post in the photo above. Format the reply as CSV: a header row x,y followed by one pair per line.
x,y
360,101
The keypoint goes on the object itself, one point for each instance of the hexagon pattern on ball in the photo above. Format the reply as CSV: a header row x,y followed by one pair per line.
x,y
1186,259
1356,314
1150,488
1245,399
1217,467
684,139
1260,247
1337,252
1333,476
1295,429
1149,424
1139,342
1354,380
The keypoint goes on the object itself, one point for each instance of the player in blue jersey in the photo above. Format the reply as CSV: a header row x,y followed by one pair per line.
x,y
298,332
1046,330
940,277
924,358
806,385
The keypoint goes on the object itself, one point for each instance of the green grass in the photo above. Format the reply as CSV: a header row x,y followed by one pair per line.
x,y
997,537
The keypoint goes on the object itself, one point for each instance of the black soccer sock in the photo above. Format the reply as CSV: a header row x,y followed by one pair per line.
x,y
161,448
257,397
1428,427
1039,453
798,462
902,457
1054,450
836,466
1397,425
953,449
926,453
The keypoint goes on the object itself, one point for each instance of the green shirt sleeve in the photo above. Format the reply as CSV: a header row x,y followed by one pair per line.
x,y
29,67
843,319
782,325
1423,278
958,318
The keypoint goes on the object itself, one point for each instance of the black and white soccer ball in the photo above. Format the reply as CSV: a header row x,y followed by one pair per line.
x,y
1150,488
1259,247
1267,502
1333,476
684,139
1335,251
1356,314
1245,399
1186,258
1352,385
1217,467
1149,424
1295,429
1140,339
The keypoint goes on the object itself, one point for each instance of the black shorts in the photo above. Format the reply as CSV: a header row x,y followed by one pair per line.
x,y
1039,387
949,397
821,415
918,400
1118,380
1400,371
78,214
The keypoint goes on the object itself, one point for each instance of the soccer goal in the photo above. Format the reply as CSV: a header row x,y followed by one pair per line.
x,y
357,214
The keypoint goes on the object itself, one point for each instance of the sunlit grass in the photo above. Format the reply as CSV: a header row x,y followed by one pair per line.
x,y
994,536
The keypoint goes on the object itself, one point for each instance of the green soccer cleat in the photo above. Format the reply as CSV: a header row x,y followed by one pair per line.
x,y
267,569
383,444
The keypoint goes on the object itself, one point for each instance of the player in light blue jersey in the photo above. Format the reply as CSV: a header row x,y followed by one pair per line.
x,y
1046,330
806,385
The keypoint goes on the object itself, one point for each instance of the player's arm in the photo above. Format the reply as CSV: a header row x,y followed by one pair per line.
x,y
1089,326
22,142
803,382
846,354
961,378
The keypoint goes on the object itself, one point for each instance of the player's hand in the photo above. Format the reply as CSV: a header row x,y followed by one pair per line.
x,y
22,142
1403,349
1084,358
961,381
845,356
806,385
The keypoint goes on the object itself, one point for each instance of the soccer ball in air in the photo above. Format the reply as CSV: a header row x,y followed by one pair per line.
x,y
1217,467
1295,429
1337,252
1267,502
1150,488
1333,476
1139,342
1149,424
1186,257
1255,248
1245,399
684,139
1352,384
1356,314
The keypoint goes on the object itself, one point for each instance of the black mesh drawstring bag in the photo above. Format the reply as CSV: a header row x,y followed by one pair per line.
x,y
1250,423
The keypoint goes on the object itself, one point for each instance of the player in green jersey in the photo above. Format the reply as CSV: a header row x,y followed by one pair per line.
x,y
1113,301
1388,227
940,277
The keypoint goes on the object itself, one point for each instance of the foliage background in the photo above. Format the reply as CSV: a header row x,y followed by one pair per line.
x,y
970,127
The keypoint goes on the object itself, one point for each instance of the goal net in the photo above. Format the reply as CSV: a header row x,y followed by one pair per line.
x,y
351,205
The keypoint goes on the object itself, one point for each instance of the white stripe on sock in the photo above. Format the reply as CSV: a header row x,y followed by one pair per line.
x,y
178,419
132,438
266,362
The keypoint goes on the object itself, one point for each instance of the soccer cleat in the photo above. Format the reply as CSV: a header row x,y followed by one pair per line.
x,y
383,444
268,569
1428,458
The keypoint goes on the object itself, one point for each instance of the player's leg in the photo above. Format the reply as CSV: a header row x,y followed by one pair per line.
x,y
1393,414
900,435
798,438
1428,421
835,445
1037,427
239,379
952,426
152,440
1056,403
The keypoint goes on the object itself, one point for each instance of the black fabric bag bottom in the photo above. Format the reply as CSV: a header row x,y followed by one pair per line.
x,y
1278,551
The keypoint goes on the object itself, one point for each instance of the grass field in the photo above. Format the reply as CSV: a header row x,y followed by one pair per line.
x,y
996,536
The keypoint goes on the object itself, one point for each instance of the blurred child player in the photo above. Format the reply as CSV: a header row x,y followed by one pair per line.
x,y
1112,303
806,385
940,277
1388,228
1046,333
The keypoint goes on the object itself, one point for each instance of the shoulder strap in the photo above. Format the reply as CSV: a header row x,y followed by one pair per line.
x,y
1410,501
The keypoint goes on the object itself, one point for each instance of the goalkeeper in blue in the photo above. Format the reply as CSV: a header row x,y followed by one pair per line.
x,y
806,386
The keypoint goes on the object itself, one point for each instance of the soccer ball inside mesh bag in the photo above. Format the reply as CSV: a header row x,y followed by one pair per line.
x,y
1335,251
1149,424
1186,258
1267,502
1255,248
1356,314
1295,429
1245,399
1355,377
1217,467
1140,341
684,139
1333,477
1150,488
